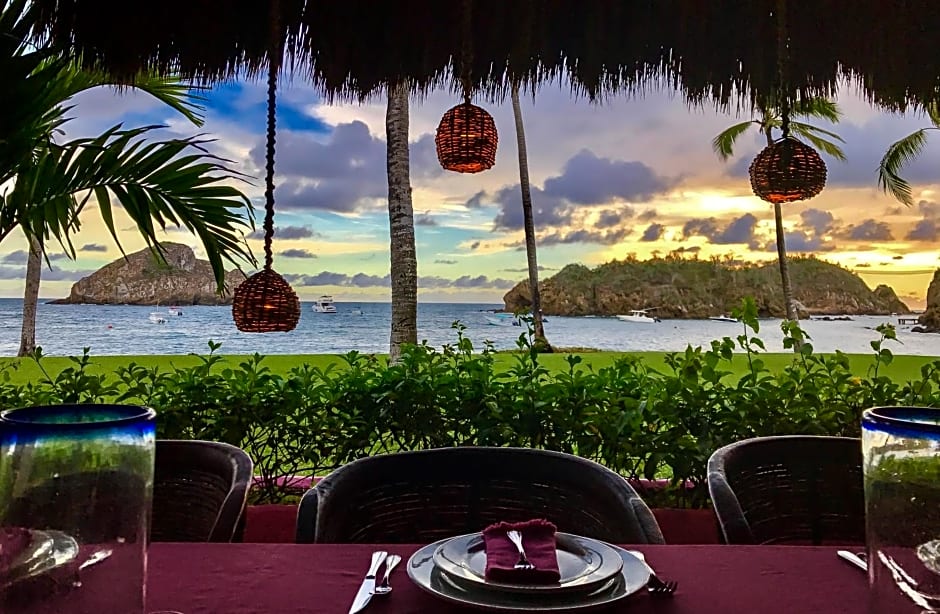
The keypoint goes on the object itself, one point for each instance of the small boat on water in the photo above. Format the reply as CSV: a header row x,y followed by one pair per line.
x,y
356,311
324,304
157,318
175,311
503,319
638,316
724,318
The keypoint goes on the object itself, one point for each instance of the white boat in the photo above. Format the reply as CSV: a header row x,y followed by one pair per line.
x,y
324,304
503,319
175,311
638,316
156,317
724,318
356,311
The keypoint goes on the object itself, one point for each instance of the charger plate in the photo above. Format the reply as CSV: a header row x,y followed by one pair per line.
x,y
421,569
584,564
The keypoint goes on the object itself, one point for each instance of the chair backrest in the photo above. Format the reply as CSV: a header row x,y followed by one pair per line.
x,y
423,496
199,492
199,495
796,489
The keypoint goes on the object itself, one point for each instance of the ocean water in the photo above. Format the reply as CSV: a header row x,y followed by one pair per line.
x,y
124,329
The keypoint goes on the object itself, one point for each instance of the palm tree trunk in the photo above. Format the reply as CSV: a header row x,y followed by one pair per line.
x,y
404,263
31,297
788,301
529,222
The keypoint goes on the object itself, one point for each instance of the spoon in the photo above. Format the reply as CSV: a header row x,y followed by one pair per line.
x,y
384,588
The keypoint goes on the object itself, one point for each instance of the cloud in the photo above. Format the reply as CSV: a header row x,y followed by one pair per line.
x,y
344,173
93,247
927,229
443,261
297,253
425,219
365,280
647,216
610,218
818,221
653,232
526,270
924,230
810,234
16,257
610,237
739,230
868,230
694,249
586,179
287,233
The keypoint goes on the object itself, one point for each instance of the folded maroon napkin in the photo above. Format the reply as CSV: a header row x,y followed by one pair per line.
x,y
538,539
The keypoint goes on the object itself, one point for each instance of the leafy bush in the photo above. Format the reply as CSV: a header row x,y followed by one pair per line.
x,y
636,420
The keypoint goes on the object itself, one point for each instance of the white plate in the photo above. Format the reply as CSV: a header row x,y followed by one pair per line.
x,y
421,569
584,564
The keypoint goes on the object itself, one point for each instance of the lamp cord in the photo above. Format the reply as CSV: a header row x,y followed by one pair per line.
x,y
274,61
783,60
466,49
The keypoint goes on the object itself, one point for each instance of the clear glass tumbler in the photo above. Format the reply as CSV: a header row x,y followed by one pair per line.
x,y
901,455
76,484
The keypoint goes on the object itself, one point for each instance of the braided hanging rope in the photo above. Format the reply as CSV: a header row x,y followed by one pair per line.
x,y
787,170
466,139
265,302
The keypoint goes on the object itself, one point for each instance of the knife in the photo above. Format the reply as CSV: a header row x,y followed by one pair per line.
x,y
853,558
367,588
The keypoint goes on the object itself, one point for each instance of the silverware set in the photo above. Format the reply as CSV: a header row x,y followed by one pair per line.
x,y
655,586
368,588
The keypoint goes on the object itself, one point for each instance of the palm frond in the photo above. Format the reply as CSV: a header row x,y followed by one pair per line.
x,y
723,144
157,183
898,155
822,108
811,134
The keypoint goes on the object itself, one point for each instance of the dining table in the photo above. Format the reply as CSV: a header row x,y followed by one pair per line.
x,y
324,578
248,578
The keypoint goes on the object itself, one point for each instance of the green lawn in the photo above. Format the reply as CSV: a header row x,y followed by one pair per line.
x,y
903,368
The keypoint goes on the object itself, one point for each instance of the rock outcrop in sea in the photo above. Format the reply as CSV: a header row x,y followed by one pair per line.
x,y
142,279
676,287
930,319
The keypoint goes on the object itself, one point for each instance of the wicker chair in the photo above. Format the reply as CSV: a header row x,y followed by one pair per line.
x,y
199,492
419,497
789,490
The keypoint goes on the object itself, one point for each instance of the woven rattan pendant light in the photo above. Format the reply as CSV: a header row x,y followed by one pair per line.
x,y
466,138
788,169
265,302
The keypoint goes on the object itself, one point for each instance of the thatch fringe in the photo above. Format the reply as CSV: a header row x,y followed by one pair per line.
x,y
715,51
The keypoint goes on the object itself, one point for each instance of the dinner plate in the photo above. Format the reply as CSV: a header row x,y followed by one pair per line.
x,y
421,569
584,564
47,550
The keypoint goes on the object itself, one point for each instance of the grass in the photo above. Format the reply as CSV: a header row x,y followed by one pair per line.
x,y
904,368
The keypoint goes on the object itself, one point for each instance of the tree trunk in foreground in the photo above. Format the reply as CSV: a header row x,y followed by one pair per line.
x,y
788,301
31,298
404,264
529,222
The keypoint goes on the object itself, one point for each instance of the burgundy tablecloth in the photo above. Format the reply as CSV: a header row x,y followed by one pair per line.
x,y
322,579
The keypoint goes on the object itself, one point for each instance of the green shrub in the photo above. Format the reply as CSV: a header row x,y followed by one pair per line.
x,y
641,422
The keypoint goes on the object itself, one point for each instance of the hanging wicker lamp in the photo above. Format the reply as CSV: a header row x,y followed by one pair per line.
x,y
787,171
466,139
265,302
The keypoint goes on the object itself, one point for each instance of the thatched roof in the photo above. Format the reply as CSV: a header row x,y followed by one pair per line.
x,y
723,51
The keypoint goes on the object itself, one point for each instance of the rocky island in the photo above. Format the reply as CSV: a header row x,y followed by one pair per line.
x,y
676,287
141,279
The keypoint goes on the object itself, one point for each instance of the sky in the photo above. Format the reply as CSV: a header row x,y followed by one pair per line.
x,y
632,176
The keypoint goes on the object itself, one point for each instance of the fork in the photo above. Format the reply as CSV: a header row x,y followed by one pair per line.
x,y
655,586
516,538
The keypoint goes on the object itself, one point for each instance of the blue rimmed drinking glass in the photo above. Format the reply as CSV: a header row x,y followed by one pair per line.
x,y
901,456
77,481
